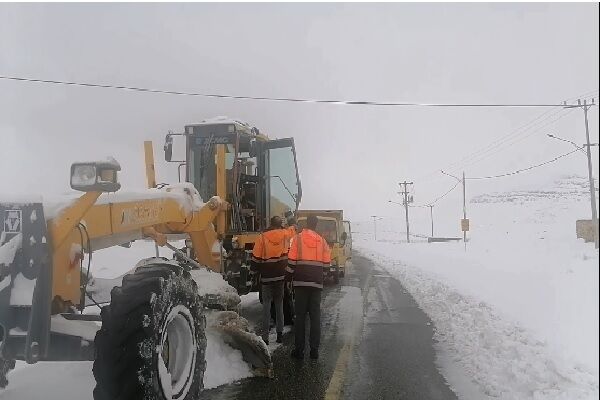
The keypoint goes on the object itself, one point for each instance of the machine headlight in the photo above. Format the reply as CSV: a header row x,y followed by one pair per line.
x,y
99,176
83,175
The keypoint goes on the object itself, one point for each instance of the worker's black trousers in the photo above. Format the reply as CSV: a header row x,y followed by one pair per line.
x,y
307,301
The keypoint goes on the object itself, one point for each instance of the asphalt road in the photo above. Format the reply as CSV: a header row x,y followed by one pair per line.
x,y
376,344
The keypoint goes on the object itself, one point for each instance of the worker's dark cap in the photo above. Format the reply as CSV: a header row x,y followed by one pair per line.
x,y
276,222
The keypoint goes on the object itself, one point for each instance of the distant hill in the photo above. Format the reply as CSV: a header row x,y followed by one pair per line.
x,y
568,187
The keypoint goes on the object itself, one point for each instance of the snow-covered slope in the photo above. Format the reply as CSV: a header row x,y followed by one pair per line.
x,y
517,312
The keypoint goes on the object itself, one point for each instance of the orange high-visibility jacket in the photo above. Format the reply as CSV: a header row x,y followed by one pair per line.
x,y
309,254
269,255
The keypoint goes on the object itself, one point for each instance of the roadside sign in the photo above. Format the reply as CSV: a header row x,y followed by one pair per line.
x,y
464,224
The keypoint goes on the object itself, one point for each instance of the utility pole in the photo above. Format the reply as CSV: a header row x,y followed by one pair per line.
x,y
431,215
464,224
588,147
374,225
405,202
464,229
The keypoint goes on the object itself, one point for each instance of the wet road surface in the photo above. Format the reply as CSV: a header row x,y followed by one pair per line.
x,y
376,344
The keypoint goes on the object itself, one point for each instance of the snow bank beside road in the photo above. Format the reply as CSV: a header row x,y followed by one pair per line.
x,y
519,308
501,359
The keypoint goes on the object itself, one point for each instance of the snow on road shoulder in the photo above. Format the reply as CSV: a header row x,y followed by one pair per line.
x,y
498,356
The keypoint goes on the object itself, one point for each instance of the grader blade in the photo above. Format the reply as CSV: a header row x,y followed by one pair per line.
x,y
235,332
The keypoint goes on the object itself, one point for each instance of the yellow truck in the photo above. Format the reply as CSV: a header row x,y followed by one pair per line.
x,y
331,226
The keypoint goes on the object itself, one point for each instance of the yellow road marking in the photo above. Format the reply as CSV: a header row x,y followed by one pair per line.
x,y
336,383
334,390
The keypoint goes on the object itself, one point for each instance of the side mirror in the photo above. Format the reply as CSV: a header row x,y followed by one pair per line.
x,y
99,176
344,236
168,147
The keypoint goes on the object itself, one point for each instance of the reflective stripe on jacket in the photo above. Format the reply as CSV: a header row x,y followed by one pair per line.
x,y
269,255
309,254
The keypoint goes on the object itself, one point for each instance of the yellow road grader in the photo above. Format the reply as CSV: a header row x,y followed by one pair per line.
x,y
148,342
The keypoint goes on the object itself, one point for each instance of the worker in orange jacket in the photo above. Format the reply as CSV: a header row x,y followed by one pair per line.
x,y
269,258
309,254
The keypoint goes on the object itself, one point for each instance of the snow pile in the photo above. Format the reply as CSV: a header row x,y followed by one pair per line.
x,y
21,199
184,193
223,363
9,249
222,119
518,311
191,200
22,291
215,290
50,381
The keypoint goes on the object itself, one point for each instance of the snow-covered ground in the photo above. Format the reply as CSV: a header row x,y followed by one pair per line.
x,y
43,380
516,314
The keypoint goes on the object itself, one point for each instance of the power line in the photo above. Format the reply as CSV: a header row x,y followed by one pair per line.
x,y
445,194
501,175
518,133
488,150
516,140
275,99
525,169
498,144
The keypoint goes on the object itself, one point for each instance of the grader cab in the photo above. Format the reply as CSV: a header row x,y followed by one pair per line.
x,y
256,176
148,342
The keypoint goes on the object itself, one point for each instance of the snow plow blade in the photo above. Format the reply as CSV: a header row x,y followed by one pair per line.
x,y
235,332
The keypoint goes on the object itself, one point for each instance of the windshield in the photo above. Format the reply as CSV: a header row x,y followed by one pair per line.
x,y
203,170
283,182
326,228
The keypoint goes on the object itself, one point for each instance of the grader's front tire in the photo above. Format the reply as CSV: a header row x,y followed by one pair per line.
x,y
152,343
5,367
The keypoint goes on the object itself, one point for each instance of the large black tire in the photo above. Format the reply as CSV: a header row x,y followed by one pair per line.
x,y
5,367
153,330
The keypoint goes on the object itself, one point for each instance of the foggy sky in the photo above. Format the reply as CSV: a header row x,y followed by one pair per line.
x,y
350,157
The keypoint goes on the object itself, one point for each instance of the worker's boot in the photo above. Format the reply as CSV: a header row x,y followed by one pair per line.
x,y
279,337
314,354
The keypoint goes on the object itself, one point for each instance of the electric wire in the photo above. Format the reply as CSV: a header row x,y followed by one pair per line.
x,y
524,169
516,172
517,140
488,150
275,99
445,194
